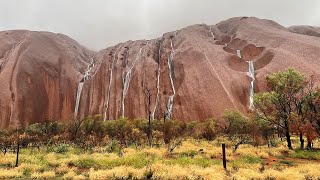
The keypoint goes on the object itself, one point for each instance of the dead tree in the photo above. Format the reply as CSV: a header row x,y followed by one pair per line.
x,y
147,92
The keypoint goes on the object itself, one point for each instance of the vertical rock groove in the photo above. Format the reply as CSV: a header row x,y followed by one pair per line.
x,y
85,77
158,81
171,74
106,104
126,79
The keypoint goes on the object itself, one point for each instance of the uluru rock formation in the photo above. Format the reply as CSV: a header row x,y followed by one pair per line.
x,y
306,30
192,74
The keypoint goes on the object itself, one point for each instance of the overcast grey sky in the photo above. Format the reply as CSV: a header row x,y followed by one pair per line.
x,y
98,24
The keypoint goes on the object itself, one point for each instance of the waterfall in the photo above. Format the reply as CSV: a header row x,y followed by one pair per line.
x,y
80,86
106,104
210,31
158,84
126,79
251,75
86,77
239,53
171,70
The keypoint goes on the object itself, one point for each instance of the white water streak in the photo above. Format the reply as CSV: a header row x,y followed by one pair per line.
x,y
251,75
110,83
239,53
158,84
79,90
127,78
86,77
170,100
210,30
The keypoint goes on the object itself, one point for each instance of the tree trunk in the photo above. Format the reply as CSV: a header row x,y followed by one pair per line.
x,y
149,120
17,158
301,141
288,134
309,146
288,139
235,147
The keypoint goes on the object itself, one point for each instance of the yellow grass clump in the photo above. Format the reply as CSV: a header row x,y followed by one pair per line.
x,y
44,175
10,173
121,172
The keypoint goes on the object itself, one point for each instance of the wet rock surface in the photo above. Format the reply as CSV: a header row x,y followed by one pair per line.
x,y
193,73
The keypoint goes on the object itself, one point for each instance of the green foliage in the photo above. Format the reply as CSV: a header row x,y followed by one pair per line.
x,y
85,162
282,105
244,160
139,160
27,171
289,163
62,149
187,161
113,147
190,153
303,154
207,129
286,82
240,129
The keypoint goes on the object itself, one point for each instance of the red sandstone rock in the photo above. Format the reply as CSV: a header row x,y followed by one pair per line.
x,y
306,30
41,71
39,74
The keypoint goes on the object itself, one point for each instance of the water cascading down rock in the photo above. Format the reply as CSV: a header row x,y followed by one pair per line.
x,y
171,74
126,80
158,82
251,75
86,76
107,99
239,53
210,31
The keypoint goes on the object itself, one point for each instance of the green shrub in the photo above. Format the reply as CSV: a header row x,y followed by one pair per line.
x,y
304,154
190,153
62,148
289,163
187,161
85,163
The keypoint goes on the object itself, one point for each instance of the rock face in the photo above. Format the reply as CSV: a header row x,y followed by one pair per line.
x,y
39,73
306,30
192,74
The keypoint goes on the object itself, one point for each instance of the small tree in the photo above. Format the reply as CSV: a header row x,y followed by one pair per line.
x,y
147,92
239,128
278,104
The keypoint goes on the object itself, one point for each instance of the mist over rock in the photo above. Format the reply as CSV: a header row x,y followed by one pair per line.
x,y
193,73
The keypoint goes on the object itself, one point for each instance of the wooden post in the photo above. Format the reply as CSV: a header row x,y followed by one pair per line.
x,y
224,156
17,159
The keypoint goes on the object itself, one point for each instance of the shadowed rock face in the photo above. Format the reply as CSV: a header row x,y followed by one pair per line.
x,y
193,73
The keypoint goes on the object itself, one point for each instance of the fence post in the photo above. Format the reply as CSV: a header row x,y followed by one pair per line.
x,y
224,156
17,157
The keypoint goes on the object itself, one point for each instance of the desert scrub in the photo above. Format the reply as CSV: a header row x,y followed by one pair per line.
x,y
304,154
121,172
7,160
44,175
138,160
287,162
10,173
185,161
250,162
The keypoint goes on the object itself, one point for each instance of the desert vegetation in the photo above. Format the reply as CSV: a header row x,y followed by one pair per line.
x,y
266,143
